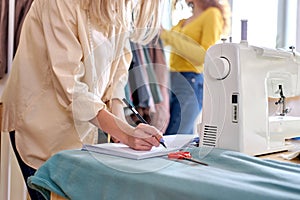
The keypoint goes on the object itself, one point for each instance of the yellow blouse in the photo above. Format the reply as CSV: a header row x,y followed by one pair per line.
x,y
190,42
57,85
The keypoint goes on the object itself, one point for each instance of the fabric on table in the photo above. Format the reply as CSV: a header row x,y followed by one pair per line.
x,y
78,175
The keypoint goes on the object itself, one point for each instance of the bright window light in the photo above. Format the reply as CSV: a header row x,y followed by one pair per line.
x,y
262,21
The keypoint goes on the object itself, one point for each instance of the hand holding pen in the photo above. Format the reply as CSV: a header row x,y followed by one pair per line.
x,y
135,112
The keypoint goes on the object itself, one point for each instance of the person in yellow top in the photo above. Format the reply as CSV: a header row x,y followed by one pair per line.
x,y
189,40
68,77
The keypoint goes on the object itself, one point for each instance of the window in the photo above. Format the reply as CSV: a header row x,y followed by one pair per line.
x,y
271,23
262,21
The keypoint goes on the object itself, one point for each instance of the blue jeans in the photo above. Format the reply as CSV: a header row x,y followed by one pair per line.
x,y
25,169
185,102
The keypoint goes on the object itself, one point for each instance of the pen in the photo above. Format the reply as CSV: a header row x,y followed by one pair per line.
x,y
137,114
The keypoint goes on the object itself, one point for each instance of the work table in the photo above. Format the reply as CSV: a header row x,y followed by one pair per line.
x,y
77,174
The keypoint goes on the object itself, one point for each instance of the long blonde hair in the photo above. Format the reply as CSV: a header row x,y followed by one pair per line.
x,y
141,20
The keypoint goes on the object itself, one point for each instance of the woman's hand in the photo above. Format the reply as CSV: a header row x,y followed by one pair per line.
x,y
144,137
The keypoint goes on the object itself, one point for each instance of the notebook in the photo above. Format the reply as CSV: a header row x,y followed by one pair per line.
x,y
173,143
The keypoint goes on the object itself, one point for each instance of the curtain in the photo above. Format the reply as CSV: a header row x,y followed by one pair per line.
x,y
21,9
3,36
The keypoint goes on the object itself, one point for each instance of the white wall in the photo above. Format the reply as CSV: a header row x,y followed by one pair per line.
x,y
262,21
298,28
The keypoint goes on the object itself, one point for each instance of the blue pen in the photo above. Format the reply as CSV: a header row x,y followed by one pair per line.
x,y
137,114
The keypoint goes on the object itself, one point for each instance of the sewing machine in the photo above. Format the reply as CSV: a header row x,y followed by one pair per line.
x,y
239,80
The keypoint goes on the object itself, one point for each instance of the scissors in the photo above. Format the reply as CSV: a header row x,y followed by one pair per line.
x,y
184,155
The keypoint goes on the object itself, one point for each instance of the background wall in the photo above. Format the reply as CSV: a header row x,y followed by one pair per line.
x,y
298,27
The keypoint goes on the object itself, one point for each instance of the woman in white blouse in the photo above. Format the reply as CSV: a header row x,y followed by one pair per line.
x,y
68,76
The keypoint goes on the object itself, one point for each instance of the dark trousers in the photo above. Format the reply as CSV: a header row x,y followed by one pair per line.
x,y
25,169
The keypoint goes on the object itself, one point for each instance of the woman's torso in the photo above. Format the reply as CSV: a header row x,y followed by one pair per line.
x,y
40,101
204,29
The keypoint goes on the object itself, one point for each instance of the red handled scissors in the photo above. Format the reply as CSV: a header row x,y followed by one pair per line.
x,y
184,155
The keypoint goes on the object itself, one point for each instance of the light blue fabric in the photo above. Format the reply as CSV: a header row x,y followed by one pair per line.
x,y
79,175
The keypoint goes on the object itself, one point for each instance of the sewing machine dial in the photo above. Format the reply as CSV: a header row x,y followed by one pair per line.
x,y
221,68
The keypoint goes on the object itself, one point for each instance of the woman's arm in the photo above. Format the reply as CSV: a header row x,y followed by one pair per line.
x,y
114,122
184,46
142,137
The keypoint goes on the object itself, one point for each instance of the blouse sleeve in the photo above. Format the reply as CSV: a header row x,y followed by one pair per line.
x,y
184,46
66,59
121,76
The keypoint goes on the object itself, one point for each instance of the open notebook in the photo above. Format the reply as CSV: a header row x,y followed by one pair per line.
x,y
173,143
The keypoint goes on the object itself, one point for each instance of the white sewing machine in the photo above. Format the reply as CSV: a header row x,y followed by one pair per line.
x,y
238,81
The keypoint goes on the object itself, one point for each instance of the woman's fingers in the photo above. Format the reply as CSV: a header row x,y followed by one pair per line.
x,y
147,130
143,143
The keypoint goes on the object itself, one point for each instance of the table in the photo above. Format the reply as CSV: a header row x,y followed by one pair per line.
x,y
276,156
78,175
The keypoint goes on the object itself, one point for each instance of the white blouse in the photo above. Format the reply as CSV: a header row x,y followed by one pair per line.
x,y
65,70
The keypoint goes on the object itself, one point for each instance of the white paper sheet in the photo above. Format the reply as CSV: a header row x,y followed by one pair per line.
x,y
173,143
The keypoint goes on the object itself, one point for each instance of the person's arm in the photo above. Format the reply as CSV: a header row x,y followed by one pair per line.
x,y
142,137
117,89
115,124
66,50
184,46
